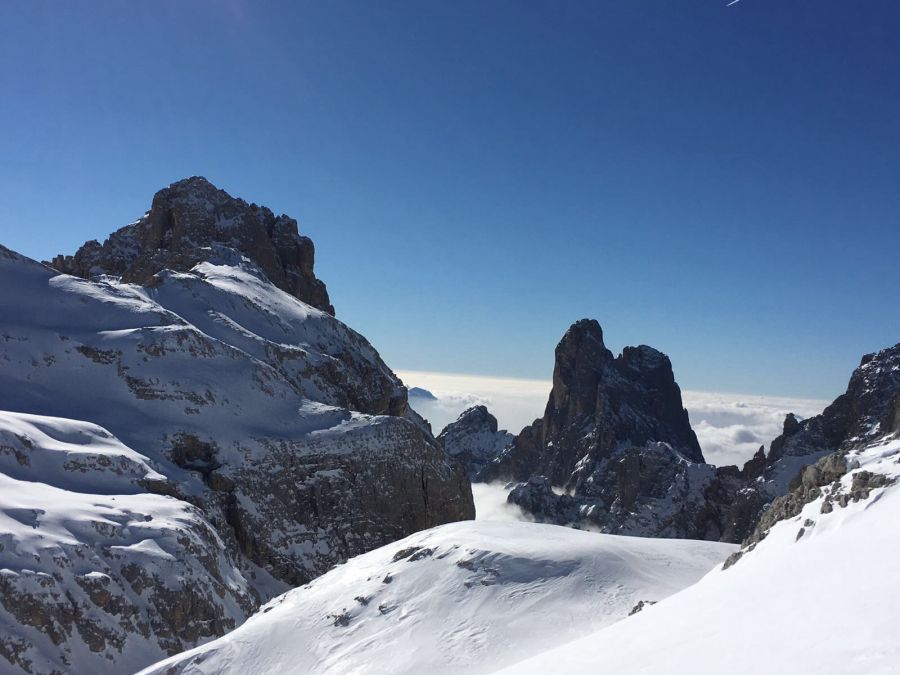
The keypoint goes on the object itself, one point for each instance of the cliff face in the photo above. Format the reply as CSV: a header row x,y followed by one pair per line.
x,y
598,403
190,216
867,411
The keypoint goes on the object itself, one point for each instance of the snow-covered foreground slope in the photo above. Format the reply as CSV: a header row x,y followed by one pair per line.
x,y
820,594
465,597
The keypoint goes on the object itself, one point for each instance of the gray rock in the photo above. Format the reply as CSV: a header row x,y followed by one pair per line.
x,y
640,605
473,439
616,441
811,453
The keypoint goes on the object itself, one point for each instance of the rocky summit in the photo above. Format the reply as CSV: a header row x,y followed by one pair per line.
x,y
187,218
188,436
615,438
631,399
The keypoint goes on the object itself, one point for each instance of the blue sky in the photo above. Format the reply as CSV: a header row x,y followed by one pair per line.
x,y
718,182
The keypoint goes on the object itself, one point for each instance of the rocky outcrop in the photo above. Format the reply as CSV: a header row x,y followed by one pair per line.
x,y
615,439
277,432
473,439
598,403
190,216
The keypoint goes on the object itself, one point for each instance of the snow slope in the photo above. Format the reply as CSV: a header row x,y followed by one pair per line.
x,y
820,594
464,597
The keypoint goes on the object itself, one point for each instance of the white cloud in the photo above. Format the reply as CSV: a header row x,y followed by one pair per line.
x,y
730,427
516,403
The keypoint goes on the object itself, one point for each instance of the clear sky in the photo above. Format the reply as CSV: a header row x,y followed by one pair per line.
x,y
721,182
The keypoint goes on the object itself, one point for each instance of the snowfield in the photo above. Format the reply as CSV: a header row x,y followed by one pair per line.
x,y
465,597
820,594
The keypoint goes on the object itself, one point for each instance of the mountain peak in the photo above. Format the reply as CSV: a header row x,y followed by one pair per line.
x,y
193,181
187,219
582,332
614,434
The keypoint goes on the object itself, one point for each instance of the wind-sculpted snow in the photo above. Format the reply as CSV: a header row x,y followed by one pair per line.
x,y
62,452
465,597
323,358
281,426
96,576
819,594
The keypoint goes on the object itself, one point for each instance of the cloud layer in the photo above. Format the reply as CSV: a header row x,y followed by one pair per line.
x,y
491,504
730,427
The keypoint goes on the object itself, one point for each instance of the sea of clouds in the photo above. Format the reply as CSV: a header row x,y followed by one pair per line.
x,y
730,427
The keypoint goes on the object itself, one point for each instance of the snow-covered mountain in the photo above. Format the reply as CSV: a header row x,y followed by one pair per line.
x,y
218,407
188,217
187,432
466,597
813,589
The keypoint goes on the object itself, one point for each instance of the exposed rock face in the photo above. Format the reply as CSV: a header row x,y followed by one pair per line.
x,y
474,440
191,215
265,441
616,438
537,497
834,482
